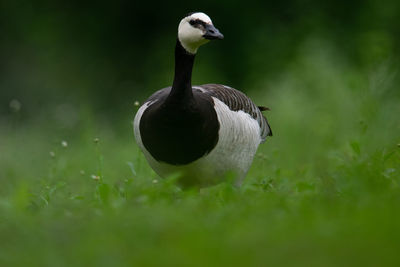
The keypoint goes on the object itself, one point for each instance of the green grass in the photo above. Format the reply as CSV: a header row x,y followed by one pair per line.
x,y
323,191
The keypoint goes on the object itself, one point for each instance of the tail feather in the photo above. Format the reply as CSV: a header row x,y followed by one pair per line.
x,y
262,108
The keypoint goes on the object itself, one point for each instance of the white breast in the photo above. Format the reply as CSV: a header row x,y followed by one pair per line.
x,y
239,138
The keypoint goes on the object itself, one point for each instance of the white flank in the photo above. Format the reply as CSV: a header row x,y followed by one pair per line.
x,y
239,138
136,129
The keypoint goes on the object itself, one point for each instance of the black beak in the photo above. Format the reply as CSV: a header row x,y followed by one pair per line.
x,y
212,33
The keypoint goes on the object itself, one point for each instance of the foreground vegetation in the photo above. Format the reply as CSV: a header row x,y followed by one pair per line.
x,y
323,191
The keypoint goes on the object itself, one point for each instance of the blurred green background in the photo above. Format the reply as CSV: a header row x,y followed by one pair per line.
x,y
323,191
103,55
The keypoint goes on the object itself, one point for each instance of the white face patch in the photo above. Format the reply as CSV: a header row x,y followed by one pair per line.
x,y
191,37
201,16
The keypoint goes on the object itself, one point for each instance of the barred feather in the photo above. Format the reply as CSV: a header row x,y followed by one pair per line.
x,y
236,101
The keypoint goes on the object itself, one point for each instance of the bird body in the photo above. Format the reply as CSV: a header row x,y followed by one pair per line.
x,y
201,133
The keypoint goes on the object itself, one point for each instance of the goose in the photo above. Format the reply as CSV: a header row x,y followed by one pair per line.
x,y
205,133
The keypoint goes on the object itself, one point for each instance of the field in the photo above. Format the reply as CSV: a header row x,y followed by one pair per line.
x,y
323,191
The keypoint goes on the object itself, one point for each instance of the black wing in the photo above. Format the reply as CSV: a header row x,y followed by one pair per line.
x,y
236,101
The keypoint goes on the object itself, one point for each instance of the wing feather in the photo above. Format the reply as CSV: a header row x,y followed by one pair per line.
x,y
236,101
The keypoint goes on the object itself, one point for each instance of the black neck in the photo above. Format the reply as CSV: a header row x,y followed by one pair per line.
x,y
182,86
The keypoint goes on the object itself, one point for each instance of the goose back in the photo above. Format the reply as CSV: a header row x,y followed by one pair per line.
x,y
231,97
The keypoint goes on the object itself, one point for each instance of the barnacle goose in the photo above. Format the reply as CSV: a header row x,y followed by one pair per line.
x,y
202,133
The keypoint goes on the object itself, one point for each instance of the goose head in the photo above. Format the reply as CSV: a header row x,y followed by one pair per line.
x,y
195,30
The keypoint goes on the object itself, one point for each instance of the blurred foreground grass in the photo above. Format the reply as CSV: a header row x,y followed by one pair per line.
x,y
323,191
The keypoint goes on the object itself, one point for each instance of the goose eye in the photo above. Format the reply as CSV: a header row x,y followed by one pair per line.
x,y
197,23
